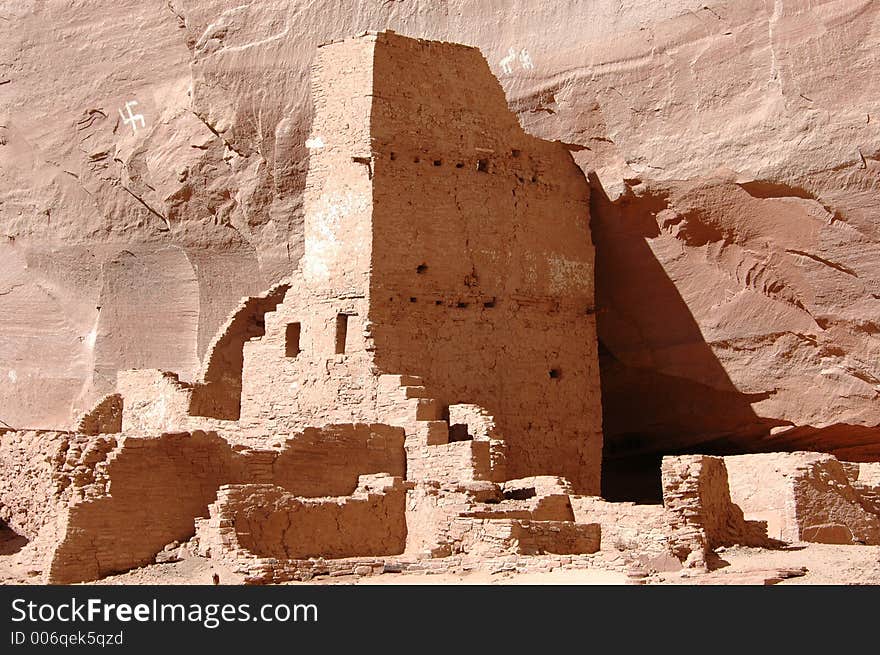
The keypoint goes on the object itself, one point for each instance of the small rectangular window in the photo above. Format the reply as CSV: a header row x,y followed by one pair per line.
x,y
291,340
341,332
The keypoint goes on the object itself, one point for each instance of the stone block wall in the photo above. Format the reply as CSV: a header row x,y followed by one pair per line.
x,y
500,537
482,278
33,463
702,516
644,529
267,521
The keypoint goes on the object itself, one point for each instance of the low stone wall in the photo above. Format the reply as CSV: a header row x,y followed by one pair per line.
x,y
642,529
500,537
267,521
104,418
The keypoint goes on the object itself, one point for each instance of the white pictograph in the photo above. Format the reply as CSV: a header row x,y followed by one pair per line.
x,y
508,63
131,118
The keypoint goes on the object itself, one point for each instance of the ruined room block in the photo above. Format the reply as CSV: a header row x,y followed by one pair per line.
x,y
807,496
96,505
267,521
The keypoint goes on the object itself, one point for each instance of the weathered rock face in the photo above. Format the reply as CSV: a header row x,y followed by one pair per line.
x,y
735,150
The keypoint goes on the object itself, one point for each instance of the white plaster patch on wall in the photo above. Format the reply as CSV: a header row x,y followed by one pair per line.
x,y
315,143
323,240
92,338
12,376
568,275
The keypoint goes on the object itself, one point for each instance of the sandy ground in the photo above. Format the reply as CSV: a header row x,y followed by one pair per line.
x,y
825,564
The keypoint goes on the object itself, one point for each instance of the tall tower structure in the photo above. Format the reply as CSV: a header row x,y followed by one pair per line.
x,y
441,242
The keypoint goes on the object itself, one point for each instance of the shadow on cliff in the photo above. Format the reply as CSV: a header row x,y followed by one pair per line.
x,y
663,389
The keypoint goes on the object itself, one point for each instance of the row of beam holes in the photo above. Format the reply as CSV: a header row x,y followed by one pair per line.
x,y
554,373
482,164
421,269
459,305
294,331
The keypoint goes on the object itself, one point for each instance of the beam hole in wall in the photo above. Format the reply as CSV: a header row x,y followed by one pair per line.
x,y
421,269
520,494
489,304
438,162
460,432
416,160
341,333
393,156
413,300
483,165
555,373
515,153
462,305
438,302
460,165
291,339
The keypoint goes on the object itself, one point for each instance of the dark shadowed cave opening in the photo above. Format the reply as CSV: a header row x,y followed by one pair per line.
x,y
664,392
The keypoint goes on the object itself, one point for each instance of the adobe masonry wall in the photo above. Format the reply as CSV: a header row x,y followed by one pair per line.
x,y
316,384
104,418
57,487
702,516
32,462
482,261
267,521
454,246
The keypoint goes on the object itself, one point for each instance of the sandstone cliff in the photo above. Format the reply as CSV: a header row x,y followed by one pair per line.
x,y
733,150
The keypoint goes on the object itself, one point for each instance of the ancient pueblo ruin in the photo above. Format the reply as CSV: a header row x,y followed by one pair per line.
x,y
423,390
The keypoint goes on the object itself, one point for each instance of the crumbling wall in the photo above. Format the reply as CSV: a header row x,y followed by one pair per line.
x,y
807,496
642,529
701,513
483,518
328,461
29,486
154,401
267,521
159,485
867,485
104,418
218,394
